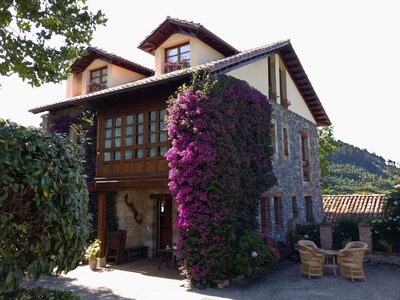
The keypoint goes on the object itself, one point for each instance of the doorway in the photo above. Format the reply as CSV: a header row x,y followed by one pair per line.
x,y
164,226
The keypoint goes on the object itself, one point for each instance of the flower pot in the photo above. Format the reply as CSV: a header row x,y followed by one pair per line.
x,y
389,249
93,264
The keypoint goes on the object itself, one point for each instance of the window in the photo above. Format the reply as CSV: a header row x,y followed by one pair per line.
x,y
278,213
309,210
305,157
135,136
265,214
271,79
294,207
282,84
98,79
274,149
285,142
177,58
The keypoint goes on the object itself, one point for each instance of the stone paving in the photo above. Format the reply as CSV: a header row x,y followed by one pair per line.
x,y
136,281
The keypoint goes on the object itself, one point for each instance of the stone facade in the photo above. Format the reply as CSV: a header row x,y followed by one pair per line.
x,y
144,233
290,185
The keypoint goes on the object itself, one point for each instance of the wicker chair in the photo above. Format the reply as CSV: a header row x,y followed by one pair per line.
x,y
351,245
351,263
311,262
311,244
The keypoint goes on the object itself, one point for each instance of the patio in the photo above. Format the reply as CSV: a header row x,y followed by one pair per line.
x,y
141,279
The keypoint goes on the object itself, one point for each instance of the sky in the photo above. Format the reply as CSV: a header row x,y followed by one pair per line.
x,y
349,50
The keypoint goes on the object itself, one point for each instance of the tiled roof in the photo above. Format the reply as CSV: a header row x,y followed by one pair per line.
x,y
171,26
96,53
221,66
361,207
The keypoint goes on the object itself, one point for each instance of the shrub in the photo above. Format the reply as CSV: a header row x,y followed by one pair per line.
x,y
308,232
387,229
40,293
44,218
344,231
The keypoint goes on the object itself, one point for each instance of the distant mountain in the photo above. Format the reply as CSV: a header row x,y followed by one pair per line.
x,y
357,171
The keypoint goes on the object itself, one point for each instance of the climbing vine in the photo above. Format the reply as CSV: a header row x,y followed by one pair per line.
x,y
220,163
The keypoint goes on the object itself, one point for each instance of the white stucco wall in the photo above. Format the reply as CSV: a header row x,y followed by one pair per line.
x,y
199,52
77,84
256,74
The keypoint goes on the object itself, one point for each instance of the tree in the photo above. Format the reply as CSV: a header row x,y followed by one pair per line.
x,y
327,145
40,38
44,219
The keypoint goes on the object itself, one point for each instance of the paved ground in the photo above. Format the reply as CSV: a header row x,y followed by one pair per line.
x,y
281,282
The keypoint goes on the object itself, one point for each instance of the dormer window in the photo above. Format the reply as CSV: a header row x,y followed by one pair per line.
x,y
98,79
177,58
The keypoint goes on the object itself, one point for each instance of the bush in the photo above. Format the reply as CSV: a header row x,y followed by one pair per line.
x,y
255,252
40,293
344,231
308,232
44,220
386,230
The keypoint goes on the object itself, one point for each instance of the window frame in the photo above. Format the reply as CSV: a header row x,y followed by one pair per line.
x,y
101,84
179,63
305,157
134,147
285,142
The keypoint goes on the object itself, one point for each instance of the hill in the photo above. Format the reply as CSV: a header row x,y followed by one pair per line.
x,y
357,171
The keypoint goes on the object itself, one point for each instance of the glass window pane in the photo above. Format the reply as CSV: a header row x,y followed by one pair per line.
x,y
128,130
152,116
117,142
140,118
128,141
163,137
104,79
172,52
128,154
117,155
162,150
152,127
129,120
107,156
117,132
139,129
118,122
162,114
108,123
107,144
104,71
163,126
152,138
96,74
138,153
108,133
139,140
185,48
151,152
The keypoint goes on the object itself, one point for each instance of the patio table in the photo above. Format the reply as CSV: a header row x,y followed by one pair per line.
x,y
330,257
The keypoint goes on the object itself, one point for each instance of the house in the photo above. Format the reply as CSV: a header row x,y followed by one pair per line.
x,y
132,137
357,207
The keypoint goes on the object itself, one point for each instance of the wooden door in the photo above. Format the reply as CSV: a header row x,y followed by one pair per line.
x,y
164,223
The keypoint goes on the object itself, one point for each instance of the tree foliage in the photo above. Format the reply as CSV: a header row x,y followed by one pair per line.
x,y
356,171
44,219
327,145
40,38
220,163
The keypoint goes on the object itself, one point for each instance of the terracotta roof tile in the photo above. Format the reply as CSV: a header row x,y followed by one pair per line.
x,y
358,206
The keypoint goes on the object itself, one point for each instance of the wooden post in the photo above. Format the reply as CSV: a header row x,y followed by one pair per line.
x,y
101,223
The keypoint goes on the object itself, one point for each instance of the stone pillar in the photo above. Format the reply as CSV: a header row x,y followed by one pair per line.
x,y
325,231
364,230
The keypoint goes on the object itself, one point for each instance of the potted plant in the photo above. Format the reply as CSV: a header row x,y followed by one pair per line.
x,y
388,246
285,102
91,253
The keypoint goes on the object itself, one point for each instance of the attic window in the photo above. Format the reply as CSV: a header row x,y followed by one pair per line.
x,y
98,79
177,58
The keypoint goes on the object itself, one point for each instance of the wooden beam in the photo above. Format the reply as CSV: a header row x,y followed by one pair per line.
x,y
101,224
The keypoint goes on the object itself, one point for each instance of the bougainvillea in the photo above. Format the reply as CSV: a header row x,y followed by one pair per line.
x,y
220,163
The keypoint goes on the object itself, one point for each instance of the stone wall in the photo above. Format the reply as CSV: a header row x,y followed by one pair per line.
x,y
144,233
289,170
